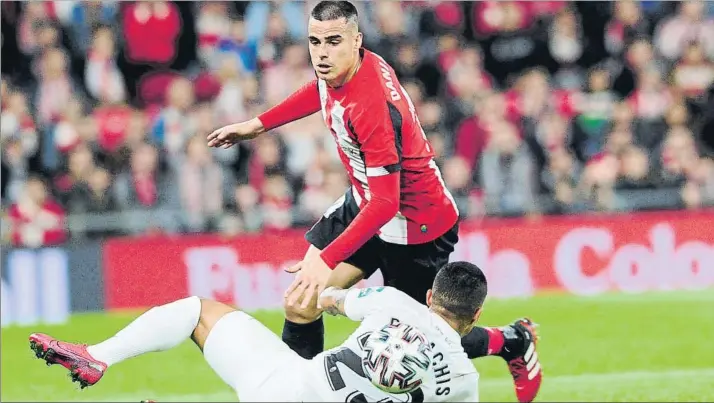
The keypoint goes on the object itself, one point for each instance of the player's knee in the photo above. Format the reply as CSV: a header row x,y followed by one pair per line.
x,y
211,312
297,314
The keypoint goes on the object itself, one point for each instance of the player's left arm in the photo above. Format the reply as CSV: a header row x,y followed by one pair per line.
x,y
377,126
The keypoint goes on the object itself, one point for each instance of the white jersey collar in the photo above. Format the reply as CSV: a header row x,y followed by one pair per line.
x,y
444,327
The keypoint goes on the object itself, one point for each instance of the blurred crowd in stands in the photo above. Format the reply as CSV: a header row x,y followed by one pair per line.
x,y
533,108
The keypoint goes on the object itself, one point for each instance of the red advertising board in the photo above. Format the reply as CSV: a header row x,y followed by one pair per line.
x,y
581,255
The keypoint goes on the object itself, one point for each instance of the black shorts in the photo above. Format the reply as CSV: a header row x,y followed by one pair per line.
x,y
409,268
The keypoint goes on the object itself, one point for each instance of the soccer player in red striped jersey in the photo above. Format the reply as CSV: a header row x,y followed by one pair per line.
x,y
397,216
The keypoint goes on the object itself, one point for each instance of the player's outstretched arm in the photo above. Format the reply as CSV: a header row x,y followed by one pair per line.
x,y
303,102
332,301
357,303
227,136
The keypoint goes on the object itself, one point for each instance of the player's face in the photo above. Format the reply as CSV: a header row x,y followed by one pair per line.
x,y
334,49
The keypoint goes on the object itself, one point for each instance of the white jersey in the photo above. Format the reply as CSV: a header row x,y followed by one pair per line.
x,y
338,372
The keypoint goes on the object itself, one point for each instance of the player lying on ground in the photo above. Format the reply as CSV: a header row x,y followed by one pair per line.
x,y
260,367
397,216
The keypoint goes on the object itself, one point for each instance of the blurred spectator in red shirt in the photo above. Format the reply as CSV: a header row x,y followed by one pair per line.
x,y
491,17
151,30
36,219
112,122
544,9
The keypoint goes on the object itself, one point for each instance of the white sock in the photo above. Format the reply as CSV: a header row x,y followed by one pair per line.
x,y
158,329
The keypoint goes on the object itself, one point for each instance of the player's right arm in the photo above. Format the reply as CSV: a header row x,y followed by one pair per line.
x,y
303,102
332,301
357,303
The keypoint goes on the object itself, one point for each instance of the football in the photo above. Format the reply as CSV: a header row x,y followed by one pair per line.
x,y
396,358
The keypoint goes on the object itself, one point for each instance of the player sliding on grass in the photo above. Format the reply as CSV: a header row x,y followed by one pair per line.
x,y
397,216
260,367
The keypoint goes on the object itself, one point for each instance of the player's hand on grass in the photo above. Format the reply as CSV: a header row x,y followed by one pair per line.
x,y
227,136
311,280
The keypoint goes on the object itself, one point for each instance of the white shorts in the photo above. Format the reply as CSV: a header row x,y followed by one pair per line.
x,y
255,362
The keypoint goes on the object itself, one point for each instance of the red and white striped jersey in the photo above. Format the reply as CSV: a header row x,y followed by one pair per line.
x,y
377,132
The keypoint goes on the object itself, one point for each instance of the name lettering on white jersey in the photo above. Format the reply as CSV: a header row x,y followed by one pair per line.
x,y
441,373
339,371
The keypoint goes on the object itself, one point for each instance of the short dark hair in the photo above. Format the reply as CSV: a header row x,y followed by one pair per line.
x,y
460,288
334,10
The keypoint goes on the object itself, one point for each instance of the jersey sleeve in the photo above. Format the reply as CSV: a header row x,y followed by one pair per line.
x,y
303,102
377,123
361,302
383,205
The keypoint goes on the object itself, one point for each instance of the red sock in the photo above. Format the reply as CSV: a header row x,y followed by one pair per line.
x,y
495,340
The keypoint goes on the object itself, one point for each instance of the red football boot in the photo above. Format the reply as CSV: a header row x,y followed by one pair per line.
x,y
83,368
519,351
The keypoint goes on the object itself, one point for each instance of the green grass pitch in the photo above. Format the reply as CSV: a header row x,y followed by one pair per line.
x,y
649,347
